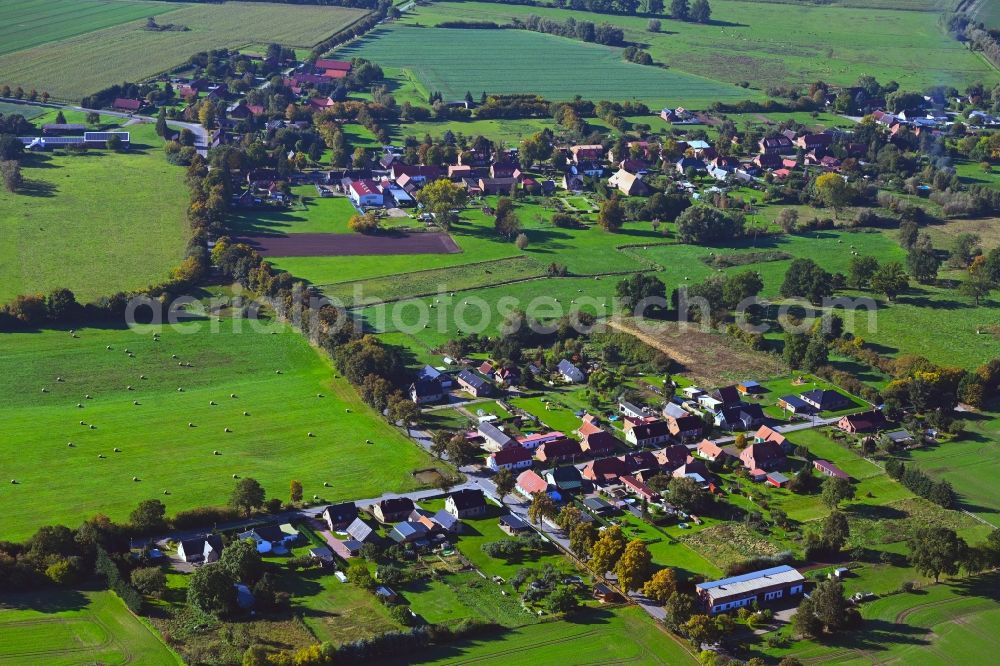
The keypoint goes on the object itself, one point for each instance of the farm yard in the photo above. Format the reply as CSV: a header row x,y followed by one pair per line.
x,y
339,245
129,52
60,234
760,42
571,67
73,627
269,388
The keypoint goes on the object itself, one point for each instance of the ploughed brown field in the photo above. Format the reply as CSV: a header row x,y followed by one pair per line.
x,y
344,245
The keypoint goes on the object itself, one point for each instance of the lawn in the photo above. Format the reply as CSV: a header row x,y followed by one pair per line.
x,y
592,636
129,52
322,215
168,439
28,111
64,627
767,44
571,67
96,223
953,622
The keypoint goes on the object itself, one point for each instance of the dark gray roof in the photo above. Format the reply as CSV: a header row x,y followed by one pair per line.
x,y
361,531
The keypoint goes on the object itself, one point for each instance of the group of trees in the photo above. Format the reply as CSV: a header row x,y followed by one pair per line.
x,y
703,225
825,611
940,492
586,31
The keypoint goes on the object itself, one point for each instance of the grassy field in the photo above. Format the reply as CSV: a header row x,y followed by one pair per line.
x,y
593,636
27,23
949,623
767,44
95,223
570,67
25,110
324,215
128,52
64,627
271,442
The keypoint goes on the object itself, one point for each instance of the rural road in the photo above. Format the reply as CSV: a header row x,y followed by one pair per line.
x,y
200,133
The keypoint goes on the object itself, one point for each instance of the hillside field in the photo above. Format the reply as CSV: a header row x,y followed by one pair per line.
x,y
761,42
168,439
63,627
95,223
556,68
129,52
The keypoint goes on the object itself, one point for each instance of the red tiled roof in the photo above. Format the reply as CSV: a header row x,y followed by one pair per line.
x,y
531,483
326,63
512,455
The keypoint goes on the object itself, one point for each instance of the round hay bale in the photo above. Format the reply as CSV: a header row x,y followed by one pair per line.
x,y
190,425
131,355
82,423
348,410
135,402
235,476
88,397
14,481
368,441
212,402
117,450
100,456
142,376
109,346
180,363
319,395
129,388
326,484
232,395
277,372
246,413
44,390
173,356
59,379
180,390
310,435
166,492
70,444
227,430
216,453
135,478
93,427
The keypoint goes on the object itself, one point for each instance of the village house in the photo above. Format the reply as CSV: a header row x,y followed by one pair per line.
x,y
203,549
776,145
586,153
271,537
408,532
743,417
535,440
600,443
604,470
636,487
826,400
468,503
671,457
529,483
558,450
362,533
709,450
565,478
645,434
758,587
768,434
693,469
628,409
494,439
864,422
629,184
127,105
795,405
339,516
424,391
513,457
475,384
570,372
764,455
393,509
685,428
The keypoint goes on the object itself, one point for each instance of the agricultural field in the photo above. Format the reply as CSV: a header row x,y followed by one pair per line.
x,y
64,627
29,112
129,52
571,67
27,23
58,231
767,45
168,407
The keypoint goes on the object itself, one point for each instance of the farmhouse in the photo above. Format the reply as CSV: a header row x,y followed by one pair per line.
x,y
766,434
628,184
565,478
408,532
766,455
338,516
776,145
762,586
795,405
467,503
474,383
558,450
628,409
570,372
424,391
671,457
393,509
825,400
513,457
271,537
599,443
200,549
639,488
365,193
647,434
744,417
863,422
535,440
529,483
362,532
604,470
709,450
127,105
685,428
494,438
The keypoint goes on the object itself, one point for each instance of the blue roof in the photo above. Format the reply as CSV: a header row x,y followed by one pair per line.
x,y
744,577
794,401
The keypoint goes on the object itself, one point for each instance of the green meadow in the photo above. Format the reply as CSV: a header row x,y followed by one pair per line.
x,y
96,223
766,44
556,68
64,627
289,416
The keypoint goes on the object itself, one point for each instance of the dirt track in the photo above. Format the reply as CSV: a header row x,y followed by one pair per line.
x,y
344,245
